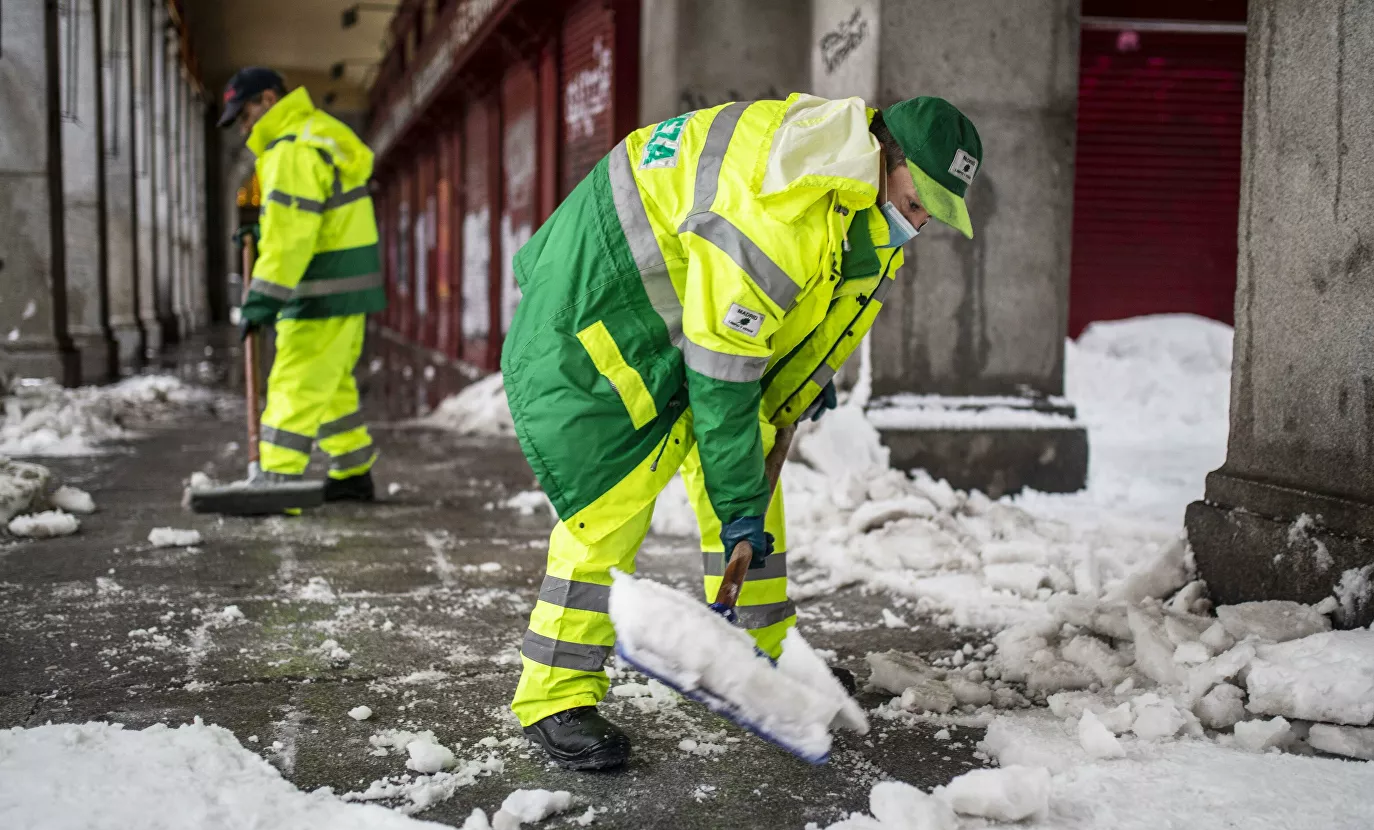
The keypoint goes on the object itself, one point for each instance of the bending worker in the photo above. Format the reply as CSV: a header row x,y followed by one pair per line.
x,y
698,290
317,275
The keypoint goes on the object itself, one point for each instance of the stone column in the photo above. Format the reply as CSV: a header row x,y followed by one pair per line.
x,y
1290,515
981,323
83,185
121,227
146,38
162,176
33,289
699,53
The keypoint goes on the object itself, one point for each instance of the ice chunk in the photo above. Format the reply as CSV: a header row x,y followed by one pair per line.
x,y
360,713
1007,794
535,805
1097,657
72,500
1017,646
1019,578
1106,620
479,409
170,537
477,820
1054,675
1350,741
1118,720
1156,720
1192,653
1217,638
1159,577
968,693
894,671
428,755
21,486
1354,593
928,695
1324,677
1097,740
230,614
896,804
1274,620
44,525
1183,601
1259,735
1185,628
1154,650
891,620
1222,707
872,515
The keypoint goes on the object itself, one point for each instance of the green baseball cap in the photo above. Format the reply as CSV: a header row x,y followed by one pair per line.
x,y
943,152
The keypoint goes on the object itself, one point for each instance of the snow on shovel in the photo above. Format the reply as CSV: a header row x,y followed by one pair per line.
x,y
697,651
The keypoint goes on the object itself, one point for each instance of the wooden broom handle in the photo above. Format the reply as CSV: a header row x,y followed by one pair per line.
x,y
250,357
738,566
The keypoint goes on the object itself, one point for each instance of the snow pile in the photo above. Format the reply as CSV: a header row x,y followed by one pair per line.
x,y
170,537
22,487
72,500
44,419
529,502
44,525
521,807
192,776
1013,793
675,639
480,409
442,772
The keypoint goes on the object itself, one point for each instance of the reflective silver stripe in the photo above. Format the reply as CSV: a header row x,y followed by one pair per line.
x,y
823,375
884,287
775,567
297,202
340,199
341,425
721,366
281,478
271,289
762,616
349,460
341,285
289,440
634,223
564,655
583,596
712,156
751,259
274,142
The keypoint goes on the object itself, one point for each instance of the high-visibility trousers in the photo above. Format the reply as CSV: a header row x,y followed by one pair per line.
x,y
570,634
312,398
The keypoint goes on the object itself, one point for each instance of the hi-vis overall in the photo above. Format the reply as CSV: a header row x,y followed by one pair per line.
x,y
694,293
318,274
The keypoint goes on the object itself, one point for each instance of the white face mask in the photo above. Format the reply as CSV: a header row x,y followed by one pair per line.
x,y
900,231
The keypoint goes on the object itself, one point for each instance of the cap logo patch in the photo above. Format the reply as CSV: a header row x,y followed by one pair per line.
x,y
228,94
964,166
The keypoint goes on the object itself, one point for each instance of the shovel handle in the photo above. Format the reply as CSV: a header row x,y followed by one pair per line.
x,y
250,359
738,566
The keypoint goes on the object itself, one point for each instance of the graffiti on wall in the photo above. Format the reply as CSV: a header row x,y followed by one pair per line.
x,y
840,42
588,94
691,99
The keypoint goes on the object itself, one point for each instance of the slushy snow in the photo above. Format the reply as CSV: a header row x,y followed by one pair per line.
x,y
72,500
480,409
44,419
170,537
44,525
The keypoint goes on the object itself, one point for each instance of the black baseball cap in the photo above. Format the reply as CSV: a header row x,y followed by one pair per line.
x,y
247,83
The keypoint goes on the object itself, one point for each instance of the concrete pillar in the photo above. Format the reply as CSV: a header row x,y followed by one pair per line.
x,y
1290,515
699,53
121,259
162,175
83,185
987,317
33,290
176,189
146,38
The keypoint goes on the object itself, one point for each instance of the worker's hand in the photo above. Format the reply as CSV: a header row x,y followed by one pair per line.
x,y
748,529
825,401
247,328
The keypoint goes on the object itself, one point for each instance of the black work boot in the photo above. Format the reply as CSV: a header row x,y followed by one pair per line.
x,y
846,678
353,488
580,738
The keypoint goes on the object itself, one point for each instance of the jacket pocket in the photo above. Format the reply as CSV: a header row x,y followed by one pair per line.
x,y
627,383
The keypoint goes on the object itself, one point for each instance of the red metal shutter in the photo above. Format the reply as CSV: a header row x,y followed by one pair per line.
x,y
588,71
426,250
1157,187
444,261
454,152
520,168
405,212
476,234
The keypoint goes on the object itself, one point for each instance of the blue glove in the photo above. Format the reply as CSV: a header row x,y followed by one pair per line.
x,y
748,529
825,401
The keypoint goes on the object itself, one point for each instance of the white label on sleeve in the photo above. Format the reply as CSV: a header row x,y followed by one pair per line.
x,y
743,320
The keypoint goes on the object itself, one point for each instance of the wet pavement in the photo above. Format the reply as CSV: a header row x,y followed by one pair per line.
x,y
428,593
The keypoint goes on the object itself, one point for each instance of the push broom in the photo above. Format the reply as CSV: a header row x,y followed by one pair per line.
x,y
255,495
697,651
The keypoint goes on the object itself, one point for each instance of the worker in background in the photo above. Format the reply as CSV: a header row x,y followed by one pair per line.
x,y
697,291
317,275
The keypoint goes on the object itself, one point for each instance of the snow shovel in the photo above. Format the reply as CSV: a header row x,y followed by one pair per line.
x,y
255,495
698,652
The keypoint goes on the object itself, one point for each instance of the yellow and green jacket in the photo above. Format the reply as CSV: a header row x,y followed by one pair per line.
x,y
725,262
318,254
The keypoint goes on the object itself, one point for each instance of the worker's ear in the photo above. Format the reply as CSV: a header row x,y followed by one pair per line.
x,y
270,98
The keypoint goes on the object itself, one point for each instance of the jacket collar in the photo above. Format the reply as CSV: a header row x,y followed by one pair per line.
x,y
283,118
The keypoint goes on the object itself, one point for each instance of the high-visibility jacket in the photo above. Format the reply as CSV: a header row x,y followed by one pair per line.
x,y
701,264
318,256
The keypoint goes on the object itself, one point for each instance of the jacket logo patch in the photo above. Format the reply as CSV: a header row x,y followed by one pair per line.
x,y
743,320
964,166
662,147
